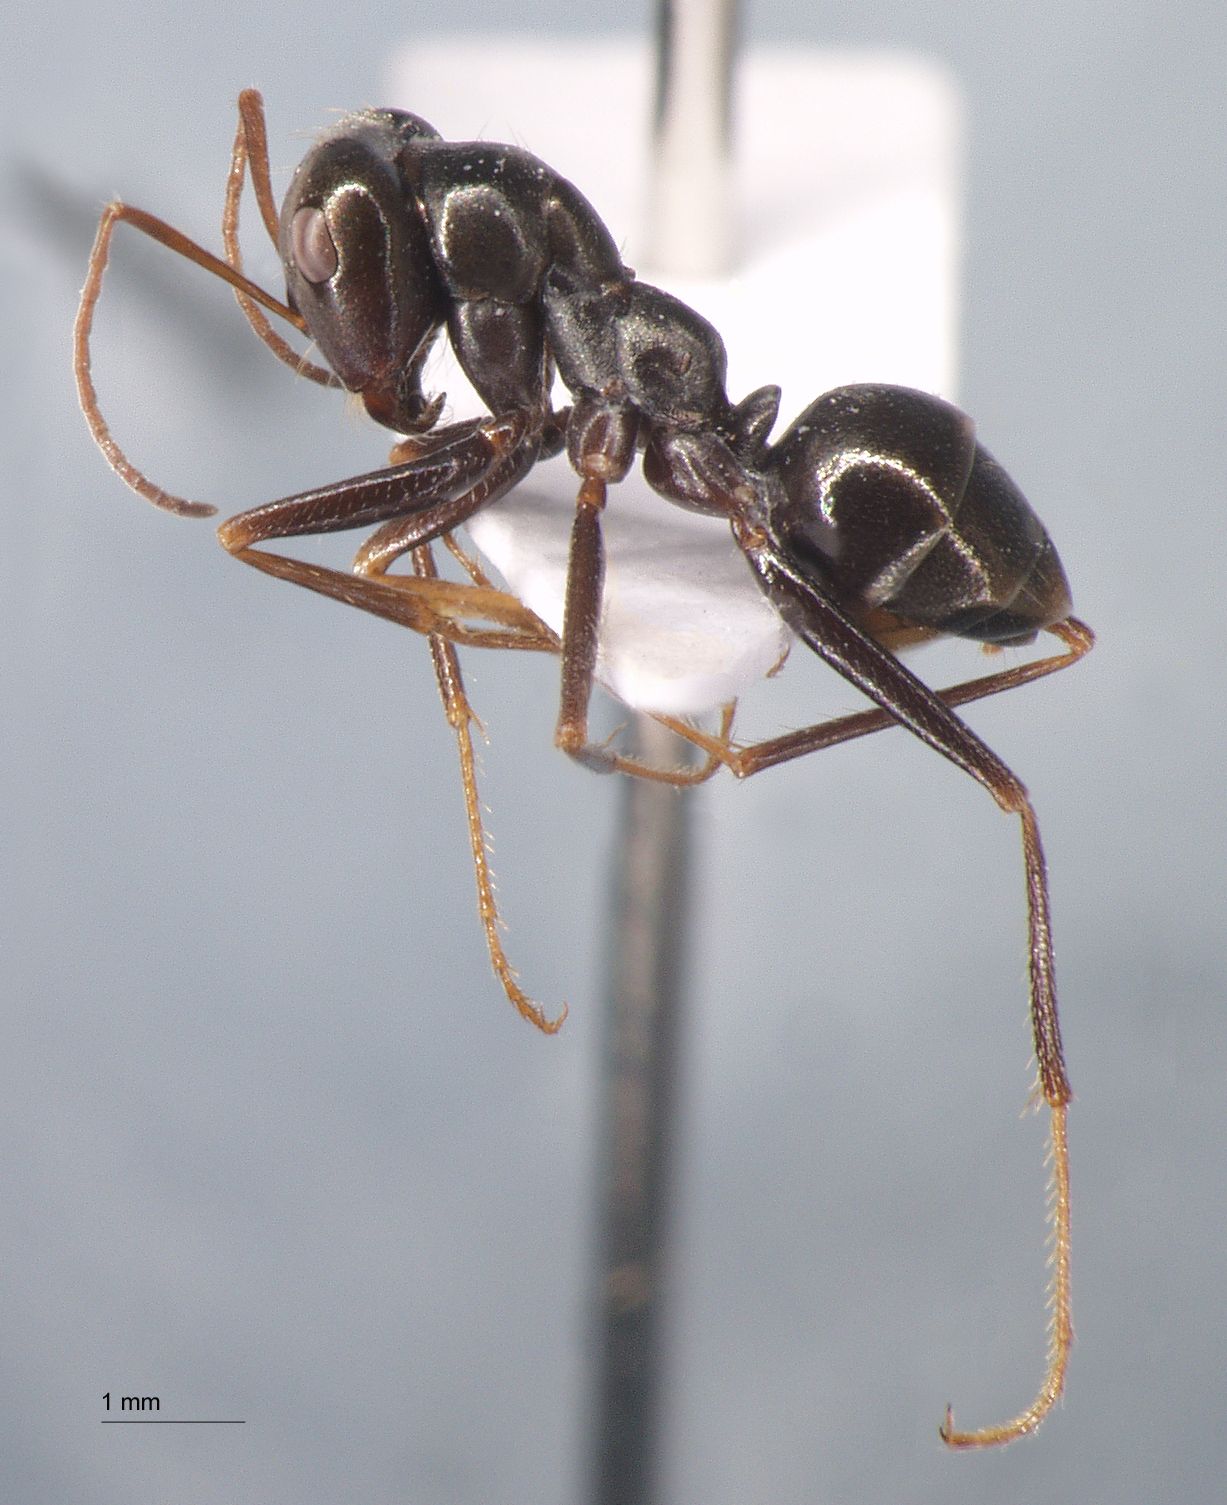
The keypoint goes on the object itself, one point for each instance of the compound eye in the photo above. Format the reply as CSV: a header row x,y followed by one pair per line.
x,y
311,246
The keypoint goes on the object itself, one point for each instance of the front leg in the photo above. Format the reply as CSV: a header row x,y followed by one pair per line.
x,y
446,609
436,490
450,476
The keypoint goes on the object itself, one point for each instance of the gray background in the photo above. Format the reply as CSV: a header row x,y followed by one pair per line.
x,y
275,1148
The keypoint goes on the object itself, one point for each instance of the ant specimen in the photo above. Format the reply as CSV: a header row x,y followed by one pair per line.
x,y
874,522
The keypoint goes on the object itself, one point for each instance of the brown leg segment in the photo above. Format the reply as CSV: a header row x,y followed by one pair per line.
x,y
450,482
431,607
581,626
580,636
428,496
460,717
746,761
1053,1081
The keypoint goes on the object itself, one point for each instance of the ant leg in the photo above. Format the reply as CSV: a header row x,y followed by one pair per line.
x,y
402,535
716,748
581,624
250,154
413,447
460,717
600,440
694,469
746,761
466,562
514,442
581,619
473,462
542,638
174,240
439,608
481,461
712,762
880,676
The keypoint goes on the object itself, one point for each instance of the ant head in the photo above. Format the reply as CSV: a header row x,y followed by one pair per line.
x,y
358,264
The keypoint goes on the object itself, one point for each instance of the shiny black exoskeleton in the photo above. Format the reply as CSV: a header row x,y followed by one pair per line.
x,y
886,496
